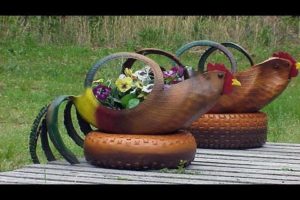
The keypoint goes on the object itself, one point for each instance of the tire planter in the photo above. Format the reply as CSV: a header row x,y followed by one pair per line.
x,y
230,131
125,151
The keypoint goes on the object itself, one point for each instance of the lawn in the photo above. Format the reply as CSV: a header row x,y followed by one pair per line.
x,y
31,75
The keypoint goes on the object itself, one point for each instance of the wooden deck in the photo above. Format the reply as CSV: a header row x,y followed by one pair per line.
x,y
275,163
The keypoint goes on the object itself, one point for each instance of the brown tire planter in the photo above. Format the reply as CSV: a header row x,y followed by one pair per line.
x,y
126,151
230,131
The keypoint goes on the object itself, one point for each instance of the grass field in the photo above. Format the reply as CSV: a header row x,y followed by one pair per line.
x,y
32,74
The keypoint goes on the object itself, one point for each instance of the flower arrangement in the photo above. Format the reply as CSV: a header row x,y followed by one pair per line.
x,y
131,88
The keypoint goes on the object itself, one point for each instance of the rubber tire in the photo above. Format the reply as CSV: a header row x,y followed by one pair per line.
x,y
139,152
230,131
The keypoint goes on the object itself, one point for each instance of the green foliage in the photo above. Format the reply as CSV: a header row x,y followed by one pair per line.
x,y
265,35
140,31
151,36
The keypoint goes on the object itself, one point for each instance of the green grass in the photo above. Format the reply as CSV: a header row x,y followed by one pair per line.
x,y
32,75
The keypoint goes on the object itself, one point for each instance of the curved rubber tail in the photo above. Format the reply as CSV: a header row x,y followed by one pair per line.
x,y
83,125
52,126
69,125
209,51
34,134
45,142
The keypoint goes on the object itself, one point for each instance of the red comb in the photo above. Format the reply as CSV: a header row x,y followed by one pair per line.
x,y
216,66
284,55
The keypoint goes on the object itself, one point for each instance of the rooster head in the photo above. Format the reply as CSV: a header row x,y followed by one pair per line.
x,y
295,66
229,80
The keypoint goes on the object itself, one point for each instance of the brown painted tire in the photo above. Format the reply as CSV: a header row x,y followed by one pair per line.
x,y
230,131
123,151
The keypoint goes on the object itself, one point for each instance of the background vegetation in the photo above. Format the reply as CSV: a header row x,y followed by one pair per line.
x,y
42,57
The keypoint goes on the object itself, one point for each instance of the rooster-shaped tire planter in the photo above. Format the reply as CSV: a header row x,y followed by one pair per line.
x,y
236,121
137,138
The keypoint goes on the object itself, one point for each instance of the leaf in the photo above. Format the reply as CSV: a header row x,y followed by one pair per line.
x,y
125,100
133,103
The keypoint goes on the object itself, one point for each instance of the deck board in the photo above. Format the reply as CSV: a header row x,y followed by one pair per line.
x,y
275,163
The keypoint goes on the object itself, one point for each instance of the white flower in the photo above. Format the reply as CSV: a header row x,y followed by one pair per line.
x,y
142,75
148,88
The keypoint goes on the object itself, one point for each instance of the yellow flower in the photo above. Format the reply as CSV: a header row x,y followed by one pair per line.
x,y
128,72
124,84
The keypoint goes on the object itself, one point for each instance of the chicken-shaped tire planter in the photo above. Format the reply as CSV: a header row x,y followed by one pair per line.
x,y
144,137
236,121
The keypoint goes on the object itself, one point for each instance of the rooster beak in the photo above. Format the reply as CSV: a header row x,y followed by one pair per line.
x,y
235,82
298,65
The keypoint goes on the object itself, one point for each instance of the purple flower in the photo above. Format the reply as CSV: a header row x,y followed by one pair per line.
x,y
169,73
178,70
101,92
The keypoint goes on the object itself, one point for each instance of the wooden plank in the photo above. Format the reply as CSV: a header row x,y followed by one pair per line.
x,y
278,146
194,177
261,149
233,153
252,154
249,158
219,162
237,162
75,179
154,175
275,150
261,164
215,163
269,174
194,163
203,171
125,176
282,144
255,172
244,166
22,180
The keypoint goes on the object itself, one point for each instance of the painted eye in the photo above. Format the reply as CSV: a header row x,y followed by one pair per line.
x,y
276,66
220,75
